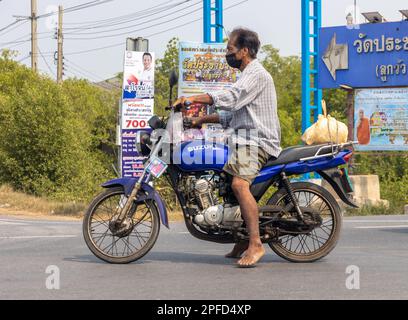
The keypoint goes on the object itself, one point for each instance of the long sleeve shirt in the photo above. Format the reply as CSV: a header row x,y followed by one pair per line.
x,y
250,109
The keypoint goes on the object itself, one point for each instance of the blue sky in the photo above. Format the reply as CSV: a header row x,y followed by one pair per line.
x,y
277,22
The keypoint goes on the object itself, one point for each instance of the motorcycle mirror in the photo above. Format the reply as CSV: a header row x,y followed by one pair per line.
x,y
173,79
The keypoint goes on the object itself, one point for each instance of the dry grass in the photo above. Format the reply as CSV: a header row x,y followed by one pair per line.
x,y
23,205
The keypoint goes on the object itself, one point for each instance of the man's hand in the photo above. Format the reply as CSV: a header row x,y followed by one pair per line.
x,y
193,123
201,99
182,100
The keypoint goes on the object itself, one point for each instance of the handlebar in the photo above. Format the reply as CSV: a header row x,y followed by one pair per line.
x,y
178,107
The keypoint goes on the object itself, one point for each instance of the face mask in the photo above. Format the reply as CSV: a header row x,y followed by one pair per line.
x,y
233,62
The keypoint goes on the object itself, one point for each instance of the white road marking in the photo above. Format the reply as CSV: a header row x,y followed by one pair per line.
x,y
37,237
384,227
7,223
376,221
38,221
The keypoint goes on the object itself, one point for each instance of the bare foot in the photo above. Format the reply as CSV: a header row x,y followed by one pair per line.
x,y
252,257
238,250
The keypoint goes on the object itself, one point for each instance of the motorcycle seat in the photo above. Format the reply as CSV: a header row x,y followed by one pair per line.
x,y
294,154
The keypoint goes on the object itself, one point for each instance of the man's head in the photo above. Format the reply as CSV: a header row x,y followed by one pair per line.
x,y
243,47
361,114
147,61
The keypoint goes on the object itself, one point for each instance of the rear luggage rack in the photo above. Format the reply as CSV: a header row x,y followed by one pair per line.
x,y
336,148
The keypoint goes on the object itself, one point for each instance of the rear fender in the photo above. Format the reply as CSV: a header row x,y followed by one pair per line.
x,y
150,194
337,178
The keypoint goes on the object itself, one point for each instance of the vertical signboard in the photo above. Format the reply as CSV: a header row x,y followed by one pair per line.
x,y
381,119
137,107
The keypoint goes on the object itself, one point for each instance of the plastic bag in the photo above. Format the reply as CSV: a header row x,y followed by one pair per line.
x,y
326,130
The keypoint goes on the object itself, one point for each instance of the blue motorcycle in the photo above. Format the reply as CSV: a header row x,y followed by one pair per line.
x,y
301,221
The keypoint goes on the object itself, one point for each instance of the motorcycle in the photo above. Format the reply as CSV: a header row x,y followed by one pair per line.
x,y
301,221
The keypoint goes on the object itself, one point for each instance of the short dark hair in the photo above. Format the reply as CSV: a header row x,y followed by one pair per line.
x,y
147,54
245,38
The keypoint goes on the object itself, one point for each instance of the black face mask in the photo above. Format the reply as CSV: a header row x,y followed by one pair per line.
x,y
233,62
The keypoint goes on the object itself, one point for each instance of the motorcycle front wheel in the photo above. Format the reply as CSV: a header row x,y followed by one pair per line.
x,y
315,245
120,244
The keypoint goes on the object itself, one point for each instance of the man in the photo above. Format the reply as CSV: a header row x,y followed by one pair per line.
x,y
250,104
363,129
147,76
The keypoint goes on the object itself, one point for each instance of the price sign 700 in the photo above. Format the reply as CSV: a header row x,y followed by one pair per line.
x,y
136,124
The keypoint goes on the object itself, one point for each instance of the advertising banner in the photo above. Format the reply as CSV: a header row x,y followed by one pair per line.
x,y
204,69
137,107
381,119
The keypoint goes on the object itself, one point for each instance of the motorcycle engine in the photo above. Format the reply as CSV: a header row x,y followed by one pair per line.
x,y
202,197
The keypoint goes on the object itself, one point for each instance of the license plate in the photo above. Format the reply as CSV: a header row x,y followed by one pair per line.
x,y
157,167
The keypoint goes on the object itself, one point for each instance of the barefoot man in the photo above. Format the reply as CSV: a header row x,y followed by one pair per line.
x,y
250,108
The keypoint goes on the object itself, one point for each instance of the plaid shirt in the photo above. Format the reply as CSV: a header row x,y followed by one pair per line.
x,y
251,104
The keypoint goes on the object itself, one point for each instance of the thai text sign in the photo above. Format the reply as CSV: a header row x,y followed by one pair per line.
x,y
137,107
367,56
381,119
203,68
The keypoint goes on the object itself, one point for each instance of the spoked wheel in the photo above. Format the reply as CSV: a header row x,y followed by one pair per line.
x,y
312,245
125,243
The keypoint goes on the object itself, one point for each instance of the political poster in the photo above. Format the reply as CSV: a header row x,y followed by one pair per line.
x,y
137,107
381,119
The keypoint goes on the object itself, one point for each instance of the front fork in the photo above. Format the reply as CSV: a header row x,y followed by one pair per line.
x,y
124,212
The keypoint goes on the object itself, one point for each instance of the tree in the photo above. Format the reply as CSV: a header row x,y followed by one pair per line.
x,y
51,137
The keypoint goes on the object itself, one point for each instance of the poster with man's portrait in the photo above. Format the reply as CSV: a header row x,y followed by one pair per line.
x,y
138,76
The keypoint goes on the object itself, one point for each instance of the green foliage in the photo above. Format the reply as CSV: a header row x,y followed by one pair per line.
x,y
392,169
52,136
336,103
286,72
163,68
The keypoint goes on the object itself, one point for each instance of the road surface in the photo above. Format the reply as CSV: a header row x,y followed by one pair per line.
x,y
372,250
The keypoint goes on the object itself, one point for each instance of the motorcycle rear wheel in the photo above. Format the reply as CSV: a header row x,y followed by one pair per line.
x,y
311,247
134,243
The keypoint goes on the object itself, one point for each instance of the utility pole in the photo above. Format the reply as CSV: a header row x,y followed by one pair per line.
x,y
34,50
60,46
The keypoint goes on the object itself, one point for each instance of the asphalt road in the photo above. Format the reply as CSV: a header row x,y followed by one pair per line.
x,y
183,268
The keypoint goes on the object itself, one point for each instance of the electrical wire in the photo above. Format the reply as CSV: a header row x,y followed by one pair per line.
x,y
26,57
95,81
75,8
151,35
45,61
119,17
18,26
84,70
117,21
135,25
151,14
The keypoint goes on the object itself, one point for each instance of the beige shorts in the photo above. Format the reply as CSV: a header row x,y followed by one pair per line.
x,y
246,162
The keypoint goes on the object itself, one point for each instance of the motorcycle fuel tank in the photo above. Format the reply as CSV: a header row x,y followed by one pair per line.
x,y
200,155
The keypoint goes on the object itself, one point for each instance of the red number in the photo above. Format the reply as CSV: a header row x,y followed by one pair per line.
x,y
136,124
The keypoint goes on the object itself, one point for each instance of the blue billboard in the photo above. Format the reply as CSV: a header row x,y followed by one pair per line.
x,y
367,56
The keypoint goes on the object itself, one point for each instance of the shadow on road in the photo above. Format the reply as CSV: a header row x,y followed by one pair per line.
x,y
396,230
179,257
